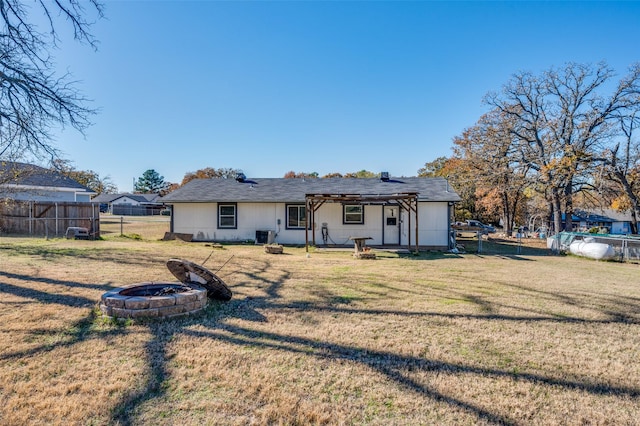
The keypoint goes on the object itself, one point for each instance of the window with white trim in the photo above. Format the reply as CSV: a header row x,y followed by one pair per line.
x,y
353,214
227,216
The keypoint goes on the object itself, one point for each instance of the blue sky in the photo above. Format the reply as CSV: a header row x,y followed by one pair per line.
x,y
313,86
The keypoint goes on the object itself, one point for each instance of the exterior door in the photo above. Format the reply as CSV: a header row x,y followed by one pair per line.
x,y
391,225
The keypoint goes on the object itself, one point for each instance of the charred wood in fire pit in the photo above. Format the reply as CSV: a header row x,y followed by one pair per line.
x,y
171,290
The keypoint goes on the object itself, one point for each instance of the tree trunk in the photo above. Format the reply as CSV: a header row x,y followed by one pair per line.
x,y
506,219
568,202
556,210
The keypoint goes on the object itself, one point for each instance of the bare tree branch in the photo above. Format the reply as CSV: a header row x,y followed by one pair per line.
x,y
33,98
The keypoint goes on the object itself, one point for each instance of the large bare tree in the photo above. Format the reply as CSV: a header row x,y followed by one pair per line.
x,y
621,170
493,164
34,98
563,120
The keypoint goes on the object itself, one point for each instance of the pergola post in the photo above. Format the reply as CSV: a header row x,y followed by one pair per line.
x,y
307,213
417,227
407,201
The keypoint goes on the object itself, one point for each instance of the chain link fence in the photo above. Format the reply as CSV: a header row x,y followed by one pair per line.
x,y
626,248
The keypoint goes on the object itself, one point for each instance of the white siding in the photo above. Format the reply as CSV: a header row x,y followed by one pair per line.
x,y
200,219
339,233
433,224
126,200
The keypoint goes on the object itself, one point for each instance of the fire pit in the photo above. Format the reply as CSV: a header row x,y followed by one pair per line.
x,y
162,299
191,273
153,300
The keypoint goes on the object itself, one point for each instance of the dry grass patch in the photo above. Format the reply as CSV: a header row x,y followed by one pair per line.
x,y
134,227
321,340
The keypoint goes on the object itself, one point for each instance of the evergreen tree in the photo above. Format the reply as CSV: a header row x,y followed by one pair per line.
x,y
150,183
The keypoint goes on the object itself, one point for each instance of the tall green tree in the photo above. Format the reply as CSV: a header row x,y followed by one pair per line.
x,y
150,183
435,168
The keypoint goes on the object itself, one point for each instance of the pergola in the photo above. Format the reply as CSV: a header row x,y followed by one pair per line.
x,y
406,200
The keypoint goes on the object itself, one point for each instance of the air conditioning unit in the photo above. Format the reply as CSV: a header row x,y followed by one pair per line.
x,y
265,237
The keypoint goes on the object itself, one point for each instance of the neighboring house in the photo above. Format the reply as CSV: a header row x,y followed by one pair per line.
x,y
390,211
129,204
38,201
615,222
27,182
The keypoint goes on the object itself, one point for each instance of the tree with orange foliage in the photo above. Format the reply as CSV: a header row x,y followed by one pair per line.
x,y
455,170
562,120
362,174
210,173
490,160
301,175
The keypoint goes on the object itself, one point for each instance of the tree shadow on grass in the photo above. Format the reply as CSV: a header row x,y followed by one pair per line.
x,y
65,283
121,257
78,331
397,368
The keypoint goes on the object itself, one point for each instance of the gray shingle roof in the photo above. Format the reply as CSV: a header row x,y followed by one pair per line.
x,y
141,198
31,175
294,190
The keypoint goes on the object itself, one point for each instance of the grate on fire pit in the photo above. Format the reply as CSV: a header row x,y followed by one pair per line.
x,y
190,273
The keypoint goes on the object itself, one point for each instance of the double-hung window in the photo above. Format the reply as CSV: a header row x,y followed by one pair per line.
x,y
296,216
353,214
227,215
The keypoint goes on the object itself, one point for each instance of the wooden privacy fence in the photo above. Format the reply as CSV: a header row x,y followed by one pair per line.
x,y
48,219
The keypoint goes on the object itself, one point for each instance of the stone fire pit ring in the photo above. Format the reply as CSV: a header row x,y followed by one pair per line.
x,y
140,300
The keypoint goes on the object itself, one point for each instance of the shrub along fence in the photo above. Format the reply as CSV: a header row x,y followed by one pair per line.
x,y
48,219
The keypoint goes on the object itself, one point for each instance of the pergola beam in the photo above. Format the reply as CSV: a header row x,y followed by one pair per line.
x,y
407,201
